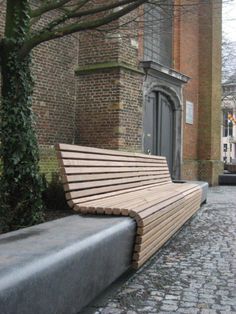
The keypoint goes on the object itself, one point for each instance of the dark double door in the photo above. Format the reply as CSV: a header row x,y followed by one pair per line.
x,y
158,127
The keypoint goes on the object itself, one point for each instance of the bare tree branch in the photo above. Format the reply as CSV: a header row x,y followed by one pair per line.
x,y
79,26
78,6
78,14
48,7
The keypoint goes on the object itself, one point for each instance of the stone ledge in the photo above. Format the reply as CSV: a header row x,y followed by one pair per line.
x,y
98,67
231,168
227,179
60,266
209,170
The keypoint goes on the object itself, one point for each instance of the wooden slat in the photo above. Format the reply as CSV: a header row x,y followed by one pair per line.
x,y
155,197
146,241
166,234
76,194
84,149
189,211
104,163
139,192
153,201
155,206
144,203
164,202
92,184
113,206
137,196
171,215
87,156
138,199
86,170
143,222
184,211
103,176
77,202
169,196
160,216
102,207
145,232
138,263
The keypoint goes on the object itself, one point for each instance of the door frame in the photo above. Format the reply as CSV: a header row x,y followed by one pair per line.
x,y
159,125
175,101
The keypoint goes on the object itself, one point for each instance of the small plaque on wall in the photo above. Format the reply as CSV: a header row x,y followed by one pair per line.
x,y
189,112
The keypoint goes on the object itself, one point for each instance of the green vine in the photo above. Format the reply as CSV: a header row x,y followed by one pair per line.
x,y
21,184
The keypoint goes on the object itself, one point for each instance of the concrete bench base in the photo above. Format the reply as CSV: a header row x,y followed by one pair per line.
x,y
60,266
227,179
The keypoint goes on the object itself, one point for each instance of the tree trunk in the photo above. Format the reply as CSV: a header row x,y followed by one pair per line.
x,y
21,184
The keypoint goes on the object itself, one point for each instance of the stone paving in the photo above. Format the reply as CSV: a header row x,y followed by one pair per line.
x,y
194,273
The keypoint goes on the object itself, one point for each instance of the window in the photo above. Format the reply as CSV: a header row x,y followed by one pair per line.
x,y
225,147
158,33
227,124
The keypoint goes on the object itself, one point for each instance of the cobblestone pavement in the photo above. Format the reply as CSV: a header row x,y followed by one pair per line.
x,y
193,273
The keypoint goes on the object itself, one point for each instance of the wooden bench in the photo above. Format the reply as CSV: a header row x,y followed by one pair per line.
x,y
107,182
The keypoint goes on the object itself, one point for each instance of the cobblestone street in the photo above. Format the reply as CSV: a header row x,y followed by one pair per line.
x,y
193,273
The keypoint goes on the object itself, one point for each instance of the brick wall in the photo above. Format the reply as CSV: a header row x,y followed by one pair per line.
x,y
131,82
97,118
197,54
131,112
96,47
129,44
109,92
190,169
54,99
186,46
210,92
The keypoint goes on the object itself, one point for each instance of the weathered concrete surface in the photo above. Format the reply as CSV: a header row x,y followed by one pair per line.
x,y
227,179
194,273
58,267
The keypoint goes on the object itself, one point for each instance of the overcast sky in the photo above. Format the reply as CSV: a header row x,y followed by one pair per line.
x,y
229,19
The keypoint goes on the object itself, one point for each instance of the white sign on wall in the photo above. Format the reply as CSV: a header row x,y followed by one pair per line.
x,y
189,112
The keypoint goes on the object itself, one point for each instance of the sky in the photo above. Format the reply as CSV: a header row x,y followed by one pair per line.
x,y
229,19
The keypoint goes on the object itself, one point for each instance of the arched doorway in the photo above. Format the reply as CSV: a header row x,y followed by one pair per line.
x,y
163,100
158,126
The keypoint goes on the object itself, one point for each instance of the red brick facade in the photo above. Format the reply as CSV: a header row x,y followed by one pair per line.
x,y
89,88
197,52
186,60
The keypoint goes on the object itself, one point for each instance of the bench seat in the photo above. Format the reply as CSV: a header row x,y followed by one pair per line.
x,y
62,265
107,182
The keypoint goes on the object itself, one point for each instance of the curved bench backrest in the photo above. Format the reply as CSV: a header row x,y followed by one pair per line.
x,y
89,173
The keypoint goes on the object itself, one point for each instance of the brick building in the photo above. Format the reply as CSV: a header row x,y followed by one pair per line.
x,y
149,85
228,122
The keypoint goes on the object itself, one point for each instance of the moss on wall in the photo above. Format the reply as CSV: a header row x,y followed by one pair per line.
x,y
48,162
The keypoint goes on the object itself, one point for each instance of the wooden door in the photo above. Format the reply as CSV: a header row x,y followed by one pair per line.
x,y
158,126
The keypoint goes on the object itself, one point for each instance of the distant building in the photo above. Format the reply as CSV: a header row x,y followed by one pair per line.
x,y
228,126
